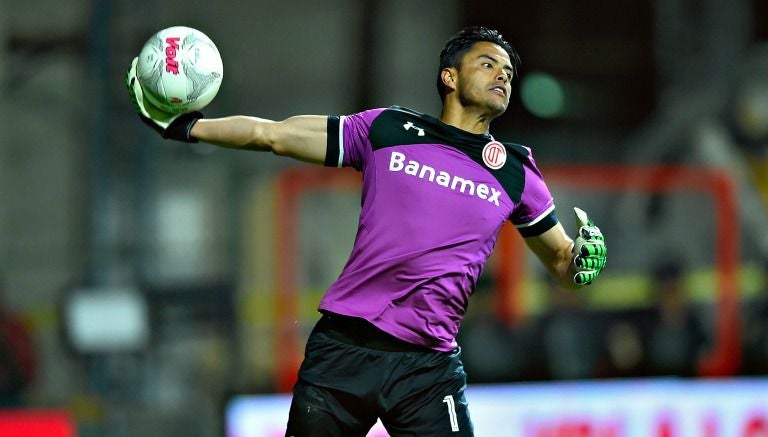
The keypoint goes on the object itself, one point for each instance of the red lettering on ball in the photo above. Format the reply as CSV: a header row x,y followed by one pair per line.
x,y
171,65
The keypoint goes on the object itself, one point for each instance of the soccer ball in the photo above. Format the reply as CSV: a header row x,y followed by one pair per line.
x,y
180,70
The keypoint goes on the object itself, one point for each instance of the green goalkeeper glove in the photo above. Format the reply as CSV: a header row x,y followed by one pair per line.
x,y
589,250
171,126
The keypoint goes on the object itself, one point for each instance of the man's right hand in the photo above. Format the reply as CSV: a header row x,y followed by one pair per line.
x,y
171,126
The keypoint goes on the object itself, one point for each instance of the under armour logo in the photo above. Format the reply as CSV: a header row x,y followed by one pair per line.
x,y
410,125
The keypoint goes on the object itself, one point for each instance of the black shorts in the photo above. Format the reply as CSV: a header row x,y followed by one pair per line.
x,y
354,373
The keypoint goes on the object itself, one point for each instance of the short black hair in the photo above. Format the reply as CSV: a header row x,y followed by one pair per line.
x,y
458,44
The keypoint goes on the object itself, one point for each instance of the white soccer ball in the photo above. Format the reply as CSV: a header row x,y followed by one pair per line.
x,y
180,70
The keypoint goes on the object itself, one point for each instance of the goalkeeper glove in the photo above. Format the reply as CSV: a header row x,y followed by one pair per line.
x,y
171,126
589,249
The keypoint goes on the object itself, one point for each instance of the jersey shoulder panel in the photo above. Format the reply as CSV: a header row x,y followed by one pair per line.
x,y
399,126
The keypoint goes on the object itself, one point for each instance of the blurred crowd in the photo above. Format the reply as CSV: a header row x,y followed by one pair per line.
x,y
571,340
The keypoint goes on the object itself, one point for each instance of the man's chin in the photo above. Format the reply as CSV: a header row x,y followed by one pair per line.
x,y
496,109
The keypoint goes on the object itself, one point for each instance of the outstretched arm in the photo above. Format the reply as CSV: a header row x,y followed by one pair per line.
x,y
302,137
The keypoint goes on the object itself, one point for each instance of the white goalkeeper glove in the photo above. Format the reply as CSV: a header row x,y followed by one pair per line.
x,y
589,250
171,126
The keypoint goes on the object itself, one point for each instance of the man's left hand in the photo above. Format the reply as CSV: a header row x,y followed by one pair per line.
x,y
589,250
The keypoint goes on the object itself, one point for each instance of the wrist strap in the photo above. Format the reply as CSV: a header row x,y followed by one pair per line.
x,y
180,129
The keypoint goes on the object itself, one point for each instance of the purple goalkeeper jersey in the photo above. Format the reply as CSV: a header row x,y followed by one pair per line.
x,y
434,199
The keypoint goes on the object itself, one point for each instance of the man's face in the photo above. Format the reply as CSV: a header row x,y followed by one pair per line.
x,y
485,77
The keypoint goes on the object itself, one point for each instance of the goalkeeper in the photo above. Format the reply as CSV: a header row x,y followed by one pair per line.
x,y
436,192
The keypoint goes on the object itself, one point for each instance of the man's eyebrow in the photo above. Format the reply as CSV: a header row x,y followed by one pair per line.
x,y
494,61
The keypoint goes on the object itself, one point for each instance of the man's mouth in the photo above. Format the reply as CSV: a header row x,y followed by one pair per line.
x,y
500,89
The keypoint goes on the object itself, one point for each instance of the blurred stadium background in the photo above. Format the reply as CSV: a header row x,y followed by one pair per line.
x,y
155,280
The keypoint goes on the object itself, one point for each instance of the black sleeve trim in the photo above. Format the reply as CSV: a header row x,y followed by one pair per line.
x,y
333,150
539,227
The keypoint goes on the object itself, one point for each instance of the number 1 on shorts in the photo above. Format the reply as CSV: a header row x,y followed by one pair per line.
x,y
452,412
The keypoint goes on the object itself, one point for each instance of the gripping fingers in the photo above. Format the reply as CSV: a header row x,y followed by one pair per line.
x,y
131,73
134,89
149,113
589,263
586,277
593,249
130,79
591,256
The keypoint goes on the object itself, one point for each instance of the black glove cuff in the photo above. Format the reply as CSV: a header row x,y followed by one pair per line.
x,y
181,128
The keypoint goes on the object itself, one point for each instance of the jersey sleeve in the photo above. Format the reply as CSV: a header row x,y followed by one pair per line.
x,y
536,212
348,141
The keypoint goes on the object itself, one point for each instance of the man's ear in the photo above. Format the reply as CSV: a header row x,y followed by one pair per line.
x,y
448,76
